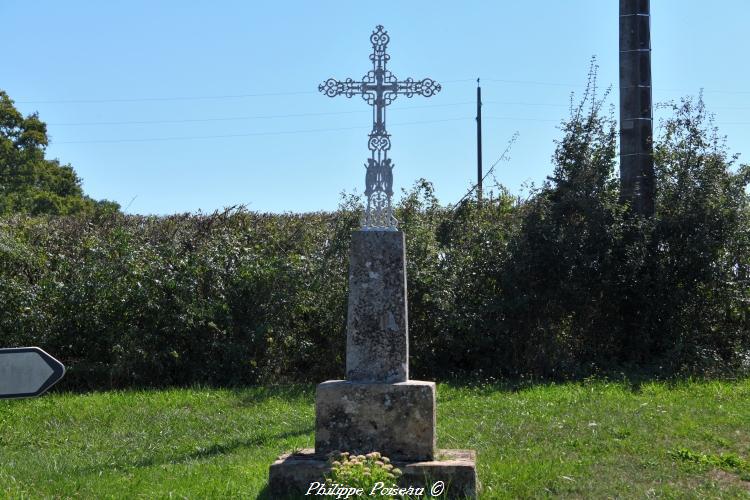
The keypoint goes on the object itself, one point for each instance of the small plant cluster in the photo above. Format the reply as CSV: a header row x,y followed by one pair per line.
x,y
362,471
726,461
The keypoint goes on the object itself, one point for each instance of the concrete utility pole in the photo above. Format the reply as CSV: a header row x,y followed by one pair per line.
x,y
636,116
479,143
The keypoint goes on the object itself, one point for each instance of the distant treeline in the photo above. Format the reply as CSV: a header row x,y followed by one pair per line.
x,y
565,283
30,182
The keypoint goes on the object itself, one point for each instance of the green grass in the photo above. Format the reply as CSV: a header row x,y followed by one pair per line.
x,y
577,440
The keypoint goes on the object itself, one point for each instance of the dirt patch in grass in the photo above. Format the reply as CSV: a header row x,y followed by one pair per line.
x,y
725,478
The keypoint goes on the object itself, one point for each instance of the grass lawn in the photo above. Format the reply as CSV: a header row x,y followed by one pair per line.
x,y
580,440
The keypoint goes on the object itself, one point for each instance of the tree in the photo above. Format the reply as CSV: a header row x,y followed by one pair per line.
x,y
31,183
595,286
702,238
563,268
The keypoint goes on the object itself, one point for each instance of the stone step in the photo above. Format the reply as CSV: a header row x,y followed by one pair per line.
x,y
294,473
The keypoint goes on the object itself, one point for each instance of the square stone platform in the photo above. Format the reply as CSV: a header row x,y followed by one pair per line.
x,y
291,475
397,420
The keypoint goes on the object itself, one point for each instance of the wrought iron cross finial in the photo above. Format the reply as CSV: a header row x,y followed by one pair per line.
x,y
379,88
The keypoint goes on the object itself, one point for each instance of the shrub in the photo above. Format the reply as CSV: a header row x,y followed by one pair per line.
x,y
566,283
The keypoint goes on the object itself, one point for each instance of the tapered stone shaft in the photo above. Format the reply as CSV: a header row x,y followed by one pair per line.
x,y
377,334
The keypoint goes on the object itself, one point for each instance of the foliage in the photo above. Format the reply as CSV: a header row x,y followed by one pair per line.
x,y
590,286
564,266
566,283
362,471
31,183
727,461
221,299
701,243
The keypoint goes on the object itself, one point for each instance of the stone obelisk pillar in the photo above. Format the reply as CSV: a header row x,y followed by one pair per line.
x,y
636,118
377,407
377,329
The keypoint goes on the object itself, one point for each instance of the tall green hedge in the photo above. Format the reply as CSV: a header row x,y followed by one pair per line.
x,y
565,283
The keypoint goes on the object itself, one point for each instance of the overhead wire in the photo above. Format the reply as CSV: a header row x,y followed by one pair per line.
x,y
162,98
251,134
292,115
298,115
182,98
310,92
253,117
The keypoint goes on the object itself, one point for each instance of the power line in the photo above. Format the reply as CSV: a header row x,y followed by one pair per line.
x,y
520,119
164,98
252,134
530,82
181,98
306,131
581,85
543,104
310,92
291,115
255,117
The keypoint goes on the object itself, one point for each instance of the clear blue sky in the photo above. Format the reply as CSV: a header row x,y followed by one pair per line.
x,y
187,71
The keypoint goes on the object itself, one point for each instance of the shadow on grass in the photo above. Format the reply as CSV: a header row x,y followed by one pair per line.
x,y
246,395
265,494
253,395
630,380
200,453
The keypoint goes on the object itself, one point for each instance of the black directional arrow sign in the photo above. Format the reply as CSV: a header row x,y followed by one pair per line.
x,y
26,372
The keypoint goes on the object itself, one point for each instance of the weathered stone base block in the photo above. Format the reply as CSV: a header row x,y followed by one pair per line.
x,y
398,420
292,474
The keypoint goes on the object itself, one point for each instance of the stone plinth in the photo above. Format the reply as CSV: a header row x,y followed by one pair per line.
x,y
377,408
377,335
398,420
292,474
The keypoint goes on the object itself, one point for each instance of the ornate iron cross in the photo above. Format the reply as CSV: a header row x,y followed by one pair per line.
x,y
379,88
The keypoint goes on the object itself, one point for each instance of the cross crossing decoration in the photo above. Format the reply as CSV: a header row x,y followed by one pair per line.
x,y
379,88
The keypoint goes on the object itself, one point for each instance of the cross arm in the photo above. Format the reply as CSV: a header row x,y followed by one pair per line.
x,y
426,87
333,87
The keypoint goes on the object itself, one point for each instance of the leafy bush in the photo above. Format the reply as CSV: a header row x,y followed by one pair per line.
x,y
701,245
143,300
566,283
